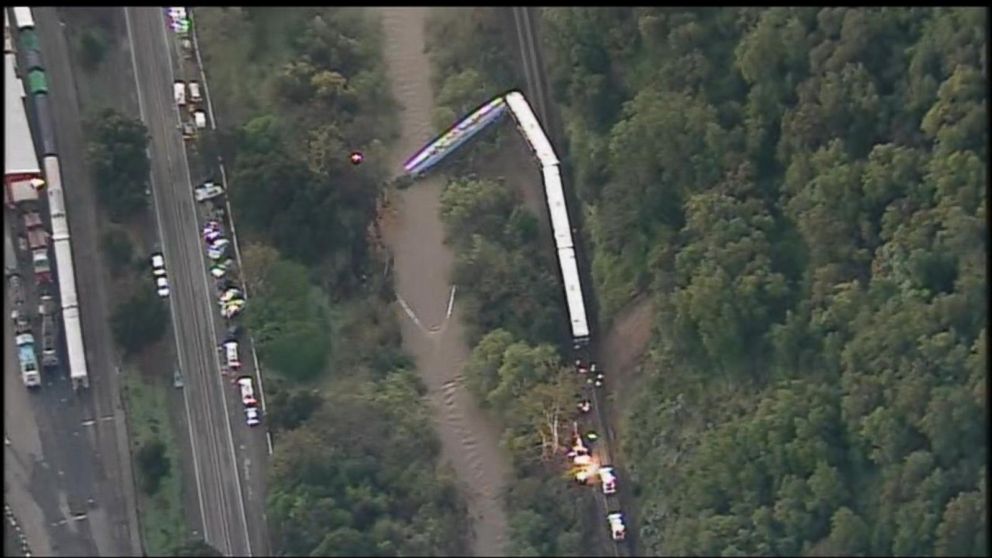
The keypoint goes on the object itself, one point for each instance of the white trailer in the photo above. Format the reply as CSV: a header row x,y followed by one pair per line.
x,y
179,92
23,17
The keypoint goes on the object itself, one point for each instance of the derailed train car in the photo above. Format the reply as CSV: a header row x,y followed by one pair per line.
x,y
515,104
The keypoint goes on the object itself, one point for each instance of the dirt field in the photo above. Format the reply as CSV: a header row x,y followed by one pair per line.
x,y
427,306
622,350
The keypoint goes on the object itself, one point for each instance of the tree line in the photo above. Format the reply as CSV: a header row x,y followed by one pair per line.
x,y
803,193
355,470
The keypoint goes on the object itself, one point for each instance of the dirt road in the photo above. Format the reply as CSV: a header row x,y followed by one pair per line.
x,y
627,339
428,307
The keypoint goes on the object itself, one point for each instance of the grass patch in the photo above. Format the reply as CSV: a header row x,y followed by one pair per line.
x,y
163,522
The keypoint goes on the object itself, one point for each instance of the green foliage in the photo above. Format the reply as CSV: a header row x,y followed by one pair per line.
x,y
92,47
118,250
546,518
803,192
467,49
534,397
139,321
116,154
286,317
153,465
494,237
320,93
364,463
355,469
468,46
471,207
291,407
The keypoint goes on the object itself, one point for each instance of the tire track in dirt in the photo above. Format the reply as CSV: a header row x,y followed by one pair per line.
x,y
430,325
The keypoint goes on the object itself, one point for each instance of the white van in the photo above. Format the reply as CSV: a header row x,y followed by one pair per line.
x,y
194,92
179,92
231,355
201,119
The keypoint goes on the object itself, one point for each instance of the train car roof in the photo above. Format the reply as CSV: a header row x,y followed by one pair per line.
x,y
20,157
573,293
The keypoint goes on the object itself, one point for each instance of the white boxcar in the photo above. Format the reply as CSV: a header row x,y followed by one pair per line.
x,y
23,17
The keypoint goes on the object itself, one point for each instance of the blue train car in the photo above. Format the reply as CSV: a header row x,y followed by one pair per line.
x,y
455,137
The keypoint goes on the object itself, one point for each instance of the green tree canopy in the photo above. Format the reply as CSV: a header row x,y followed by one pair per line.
x,y
117,155
139,320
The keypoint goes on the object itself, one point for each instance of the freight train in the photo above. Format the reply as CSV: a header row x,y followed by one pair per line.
x,y
37,82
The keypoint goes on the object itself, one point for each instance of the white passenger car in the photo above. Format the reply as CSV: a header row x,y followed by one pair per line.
x,y
162,286
179,92
158,264
231,355
608,479
207,191
247,391
249,401
617,529
194,92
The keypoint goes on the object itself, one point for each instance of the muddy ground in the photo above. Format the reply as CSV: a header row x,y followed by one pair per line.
x,y
427,304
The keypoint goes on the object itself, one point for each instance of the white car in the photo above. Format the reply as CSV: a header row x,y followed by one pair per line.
x,y
194,92
206,191
231,356
217,248
247,391
216,253
617,529
179,92
249,401
162,286
251,416
200,118
158,264
608,479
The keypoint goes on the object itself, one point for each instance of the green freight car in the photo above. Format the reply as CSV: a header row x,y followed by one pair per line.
x,y
37,82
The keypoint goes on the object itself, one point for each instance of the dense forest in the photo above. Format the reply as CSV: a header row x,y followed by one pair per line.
x,y
802,191
355,470
509,293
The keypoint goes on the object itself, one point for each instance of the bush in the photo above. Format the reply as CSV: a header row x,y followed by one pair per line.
x,y
92,48
139,321
117,250
153,465
117,156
